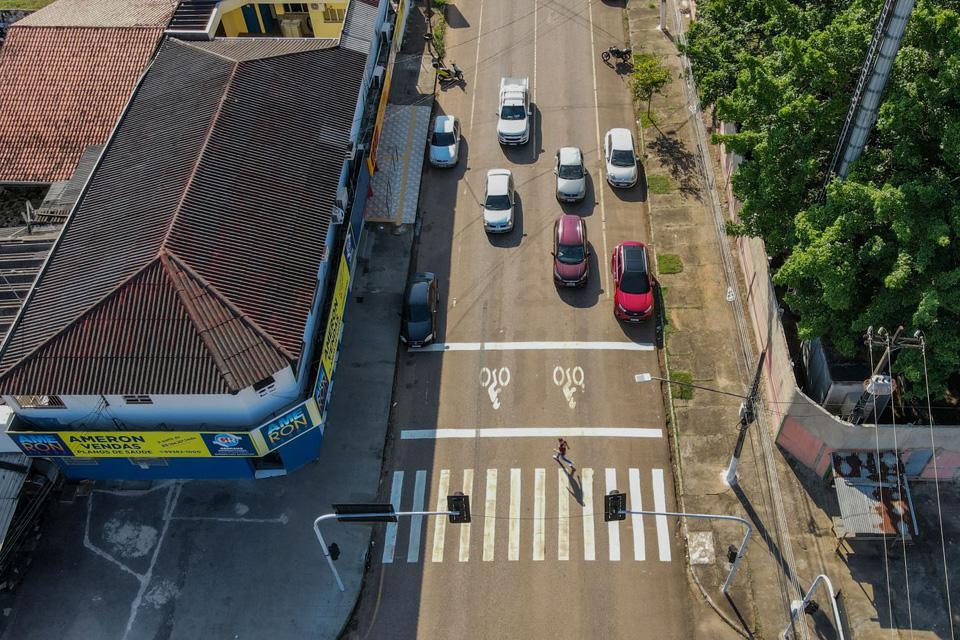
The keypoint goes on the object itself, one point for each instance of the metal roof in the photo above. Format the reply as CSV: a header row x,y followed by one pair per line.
x,y
358,25
216,187
193,15
874,498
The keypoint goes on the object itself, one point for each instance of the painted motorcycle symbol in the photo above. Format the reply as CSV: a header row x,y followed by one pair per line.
x,y
569,379
494,380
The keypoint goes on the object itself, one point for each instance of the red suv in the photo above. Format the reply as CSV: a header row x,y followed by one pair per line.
x,y
570,253
632,283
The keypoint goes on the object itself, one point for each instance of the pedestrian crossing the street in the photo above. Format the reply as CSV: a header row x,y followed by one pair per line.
x,y
541,514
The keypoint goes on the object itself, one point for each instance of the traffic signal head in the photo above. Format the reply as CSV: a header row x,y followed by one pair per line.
x,y
614,506
460,504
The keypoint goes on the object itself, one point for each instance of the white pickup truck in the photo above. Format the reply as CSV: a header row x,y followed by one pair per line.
x,y
513,124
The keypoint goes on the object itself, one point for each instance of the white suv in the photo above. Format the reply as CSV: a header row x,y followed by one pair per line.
x,y
498,201
621,158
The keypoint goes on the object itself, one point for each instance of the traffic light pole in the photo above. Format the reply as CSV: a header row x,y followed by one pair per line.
x,y
735,564
364,517
798,606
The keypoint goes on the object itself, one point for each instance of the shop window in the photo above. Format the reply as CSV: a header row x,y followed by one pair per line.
x,y
333,14
39,402
137,399
294,7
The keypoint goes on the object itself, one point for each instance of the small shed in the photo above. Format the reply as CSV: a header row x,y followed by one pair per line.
x,y
874,497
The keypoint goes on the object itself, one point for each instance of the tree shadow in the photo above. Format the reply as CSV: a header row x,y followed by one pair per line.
x,y
679,161
455,19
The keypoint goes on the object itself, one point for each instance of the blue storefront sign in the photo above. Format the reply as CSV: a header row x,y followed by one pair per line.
x,y
287,427
229,444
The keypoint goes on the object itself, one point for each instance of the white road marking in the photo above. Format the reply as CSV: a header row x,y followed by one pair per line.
x,y
660,504
532,432
599,185
569,378
494,381
440,522
563,516
476,75
539,508
586,479
465,527
390,538
416,522
490,516
541,346
613,527
513,546
636,504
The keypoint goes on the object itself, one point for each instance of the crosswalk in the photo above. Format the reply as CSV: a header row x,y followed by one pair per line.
x,y
540,514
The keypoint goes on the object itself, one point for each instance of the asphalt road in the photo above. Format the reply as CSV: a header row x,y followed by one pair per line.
x,y
537,561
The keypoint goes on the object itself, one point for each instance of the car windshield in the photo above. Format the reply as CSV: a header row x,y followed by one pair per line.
x,y
512,112
443,139
635,282
570,253
571,171
497,203
622,158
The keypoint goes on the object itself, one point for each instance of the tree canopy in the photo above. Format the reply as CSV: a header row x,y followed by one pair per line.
x,y
883,247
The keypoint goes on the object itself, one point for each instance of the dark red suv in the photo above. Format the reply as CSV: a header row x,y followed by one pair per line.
x,y
632,283
571,256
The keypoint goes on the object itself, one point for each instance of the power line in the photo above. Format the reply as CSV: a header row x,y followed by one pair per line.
x,y
876,433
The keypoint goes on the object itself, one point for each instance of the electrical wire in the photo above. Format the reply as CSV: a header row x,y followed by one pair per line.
x,y
900,489
876,433
936,484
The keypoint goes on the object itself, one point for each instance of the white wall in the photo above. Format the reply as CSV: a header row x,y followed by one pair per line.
x,y
242,411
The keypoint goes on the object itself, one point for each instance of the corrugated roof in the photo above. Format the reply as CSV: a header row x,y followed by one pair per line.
x,y
102,13
872,503
358,25
193,15
225,170
63,89
244,49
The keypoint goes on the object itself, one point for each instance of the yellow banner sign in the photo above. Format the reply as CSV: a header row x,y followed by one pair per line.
x,y
136,444
331,339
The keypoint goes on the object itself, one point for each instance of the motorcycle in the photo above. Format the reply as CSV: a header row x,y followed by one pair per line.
x,y
616,52
453,73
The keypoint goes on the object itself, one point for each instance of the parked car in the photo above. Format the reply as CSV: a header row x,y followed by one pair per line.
x,y
621,159
421,301
445,142
498,201
632,283
571,256
571,175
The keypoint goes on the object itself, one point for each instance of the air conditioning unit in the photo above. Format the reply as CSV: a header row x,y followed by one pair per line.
x,y
292,27
378,73
386,29
343,197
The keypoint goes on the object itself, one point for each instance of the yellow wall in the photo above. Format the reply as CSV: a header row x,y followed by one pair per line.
x,y
323,29
233,23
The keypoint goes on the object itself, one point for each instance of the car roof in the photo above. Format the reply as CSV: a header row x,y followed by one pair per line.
x,y
498,181
418,289
621,138
443,124
570,155
570,232
634,257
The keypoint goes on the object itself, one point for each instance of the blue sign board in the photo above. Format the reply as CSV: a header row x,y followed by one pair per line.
x,y
229,444
290,425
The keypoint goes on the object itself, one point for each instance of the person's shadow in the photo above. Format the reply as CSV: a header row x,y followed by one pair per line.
x,y
575,488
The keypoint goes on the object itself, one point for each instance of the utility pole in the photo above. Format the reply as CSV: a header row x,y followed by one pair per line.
x,y
747,417
856,417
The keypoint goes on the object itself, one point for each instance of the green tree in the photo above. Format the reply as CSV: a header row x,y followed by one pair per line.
x,y
650,77
882,248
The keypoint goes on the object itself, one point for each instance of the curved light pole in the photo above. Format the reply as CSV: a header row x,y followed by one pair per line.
x,y
798,606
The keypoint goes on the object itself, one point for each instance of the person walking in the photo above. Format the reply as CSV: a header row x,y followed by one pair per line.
x,y
560,454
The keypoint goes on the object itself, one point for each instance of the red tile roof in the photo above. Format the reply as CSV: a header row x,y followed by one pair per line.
x,y
62,90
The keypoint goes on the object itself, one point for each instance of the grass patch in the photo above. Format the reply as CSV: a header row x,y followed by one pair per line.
x,y
660,184
669,263
26,5
648,120
439,35
681,391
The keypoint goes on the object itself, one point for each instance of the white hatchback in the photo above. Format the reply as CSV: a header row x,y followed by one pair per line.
x,y
445,142
498,201
621,159
571,175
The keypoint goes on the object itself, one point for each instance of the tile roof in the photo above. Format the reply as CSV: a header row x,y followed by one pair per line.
x,y
63,89
102,13
217,186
